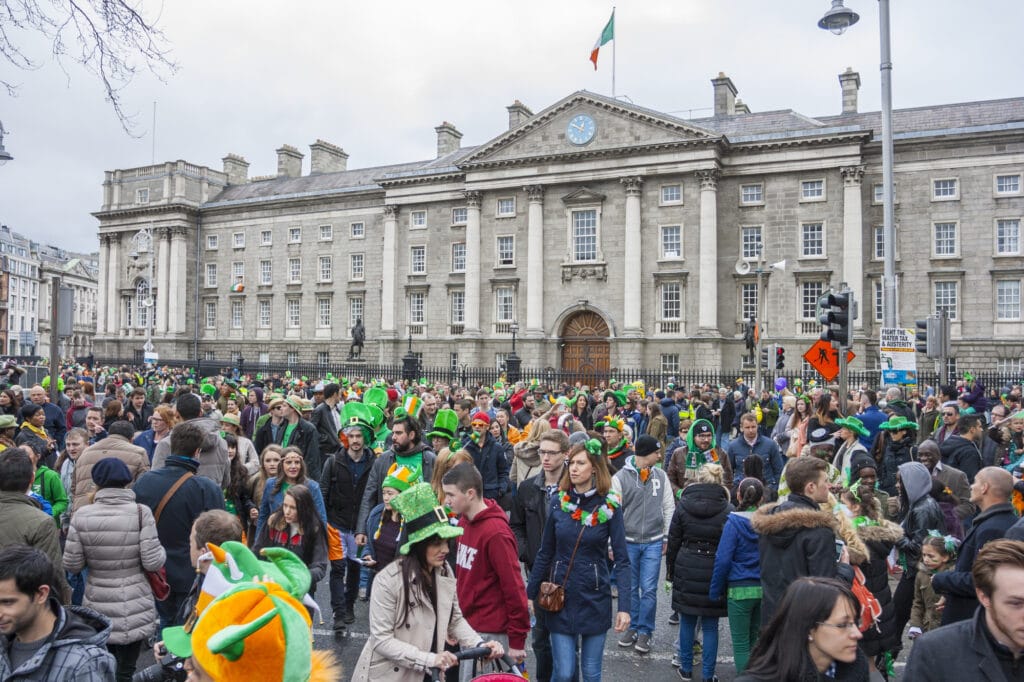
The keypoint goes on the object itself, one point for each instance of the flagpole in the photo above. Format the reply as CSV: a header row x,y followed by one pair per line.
x,y
615,43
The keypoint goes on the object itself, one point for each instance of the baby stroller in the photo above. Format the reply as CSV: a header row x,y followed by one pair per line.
x,y
504,669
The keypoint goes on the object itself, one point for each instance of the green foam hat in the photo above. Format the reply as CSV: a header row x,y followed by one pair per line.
x,y
401,477
358,415
898,422
377,397
854,424
620,397
424,517
446,424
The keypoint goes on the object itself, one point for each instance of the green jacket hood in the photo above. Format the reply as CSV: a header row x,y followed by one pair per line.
x,y
689,435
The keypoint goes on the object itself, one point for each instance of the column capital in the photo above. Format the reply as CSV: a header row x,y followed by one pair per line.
x,y
473,198
163,233
633,184
852,175
105,240
708,178
178,232
390,213
535,193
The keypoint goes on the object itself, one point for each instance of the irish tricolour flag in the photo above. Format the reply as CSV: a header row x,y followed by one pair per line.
x,y
607,35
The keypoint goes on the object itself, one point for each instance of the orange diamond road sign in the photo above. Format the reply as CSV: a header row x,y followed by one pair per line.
x,y
825,359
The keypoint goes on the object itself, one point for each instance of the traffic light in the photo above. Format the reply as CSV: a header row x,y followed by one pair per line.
x,y
924,336
780,357
837,314
765,355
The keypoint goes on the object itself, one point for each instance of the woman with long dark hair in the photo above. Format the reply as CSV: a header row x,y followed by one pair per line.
x,y
296,526
581,411
236,496
10,402
813,636
824,416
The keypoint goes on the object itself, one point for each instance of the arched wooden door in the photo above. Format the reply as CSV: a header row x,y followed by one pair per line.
x,y
585,349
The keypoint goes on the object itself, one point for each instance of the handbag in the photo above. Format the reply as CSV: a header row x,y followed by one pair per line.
x,y
158,579
552,595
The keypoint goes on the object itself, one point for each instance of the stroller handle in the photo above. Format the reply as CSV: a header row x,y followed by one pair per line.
x,y
469,655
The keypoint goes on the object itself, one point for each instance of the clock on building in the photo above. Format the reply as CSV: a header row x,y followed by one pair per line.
x,y
581,129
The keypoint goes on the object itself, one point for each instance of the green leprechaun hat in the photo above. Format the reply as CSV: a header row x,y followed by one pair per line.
x,y
424,517
854,424
446,424
356,414
401,477
378,397
898,422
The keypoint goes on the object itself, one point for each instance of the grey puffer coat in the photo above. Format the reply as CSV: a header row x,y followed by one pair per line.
x,y
116,539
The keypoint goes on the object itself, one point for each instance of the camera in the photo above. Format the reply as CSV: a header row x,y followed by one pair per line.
x,y
170,667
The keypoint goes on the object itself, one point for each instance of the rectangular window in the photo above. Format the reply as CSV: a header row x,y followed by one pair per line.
x,y
810,292
945,239
504,304
812,190
357,230
945,189
878,250
458,305
418,260
878,301
812,240
460,215
355,310
212,241
671,301
584,235
236,314
877,195
237,271
266,238
291,357
506,207
417,220
416,307
751,241
459,257
1008,237
294,270
752,193
326,233
671,194
1009,365
1008,184
238,240
1008,299
326,268
211,315
323,357
293,317
748,301
294,235
264,358
142,196
323,313
506,250
671,241
355,269
263,313
211,274
266,272
946,298
670,363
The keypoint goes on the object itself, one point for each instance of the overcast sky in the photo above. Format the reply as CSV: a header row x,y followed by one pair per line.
x,y
376,77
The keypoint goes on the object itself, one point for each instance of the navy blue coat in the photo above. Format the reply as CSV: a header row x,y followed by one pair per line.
x,y
492,464
588,592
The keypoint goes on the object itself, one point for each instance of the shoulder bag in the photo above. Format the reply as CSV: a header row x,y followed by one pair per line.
x,y
552,595
158,579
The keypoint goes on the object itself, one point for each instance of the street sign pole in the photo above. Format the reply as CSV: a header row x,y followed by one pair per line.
x,y
843,381
54,338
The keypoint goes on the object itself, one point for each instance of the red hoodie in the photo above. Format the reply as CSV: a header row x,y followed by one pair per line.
x,y
487,578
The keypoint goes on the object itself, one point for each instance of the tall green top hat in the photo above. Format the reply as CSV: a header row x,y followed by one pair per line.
x,y
358,415
424,517
378,397
446,424
620,397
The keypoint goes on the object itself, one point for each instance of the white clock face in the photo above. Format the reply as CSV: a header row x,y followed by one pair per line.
x,y
581,129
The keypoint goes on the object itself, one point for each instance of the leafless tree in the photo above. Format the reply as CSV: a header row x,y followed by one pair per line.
x,y
111,39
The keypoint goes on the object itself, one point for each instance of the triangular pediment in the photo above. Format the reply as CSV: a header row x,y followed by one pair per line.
x,y
583,195
618,125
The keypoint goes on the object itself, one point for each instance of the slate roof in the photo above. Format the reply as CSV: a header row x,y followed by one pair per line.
x,y
941,117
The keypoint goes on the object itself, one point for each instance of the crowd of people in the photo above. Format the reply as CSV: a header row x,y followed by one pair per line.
x,y
502,515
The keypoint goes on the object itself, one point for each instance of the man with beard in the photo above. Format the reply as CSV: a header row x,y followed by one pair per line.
x,y
949,476
699,450
488,457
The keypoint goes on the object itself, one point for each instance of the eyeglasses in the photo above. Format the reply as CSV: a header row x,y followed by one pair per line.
x,y
949,414
550,452
852,625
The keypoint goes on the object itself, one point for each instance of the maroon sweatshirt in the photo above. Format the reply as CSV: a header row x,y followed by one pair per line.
x,y
487,579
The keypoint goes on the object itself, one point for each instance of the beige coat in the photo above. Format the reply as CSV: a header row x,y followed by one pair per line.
x,y
115,538
401,653
134,457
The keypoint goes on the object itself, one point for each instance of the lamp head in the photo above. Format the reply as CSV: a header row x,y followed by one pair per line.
x,y
838,18
5,156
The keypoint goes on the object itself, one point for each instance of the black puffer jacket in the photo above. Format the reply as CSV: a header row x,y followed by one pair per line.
x,y
897,452
924,515
880,540
692,542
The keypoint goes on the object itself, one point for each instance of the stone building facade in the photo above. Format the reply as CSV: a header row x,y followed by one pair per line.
x,y
605,234
78,272
20,264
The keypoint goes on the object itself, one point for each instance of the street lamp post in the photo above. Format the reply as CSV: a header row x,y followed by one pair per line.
x,y
410,363
512,363
145,236
5,156
837,20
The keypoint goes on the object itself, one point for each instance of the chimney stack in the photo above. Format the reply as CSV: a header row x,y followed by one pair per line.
x,y
289,162
741,107
236,168
518,114
447,139
849,80
725,95
325,157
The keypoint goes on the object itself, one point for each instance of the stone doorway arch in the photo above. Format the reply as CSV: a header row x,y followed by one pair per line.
x,y
586,351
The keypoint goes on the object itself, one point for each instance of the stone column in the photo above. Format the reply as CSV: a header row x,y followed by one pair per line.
x,y
535,263
113,283
632,261
853,238
388,275
707,293
472,329
176,287
163,283
101,309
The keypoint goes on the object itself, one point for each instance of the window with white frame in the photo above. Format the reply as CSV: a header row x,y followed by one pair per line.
x,y
357,230
1009,365
1008,184
505,207
459,257
812,240
291,357
671,241
236,314
209,355
748,301
812,190
237,270
142,195
671,301
211,274
460,215
212,241
584,235
238,240
751,241
504,304
266,237
945,189
878,242
355,310
355,266
326,233
946,298
810,292
323,312
294,270
141,298
264,357
501,361
1008,237
418,260
670,363
325,268
877,195
1008,299
293,314
458,307
417,220
506,247
945,239
417,301
752,193
266,272
211,314
294,235
671,194
263,313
